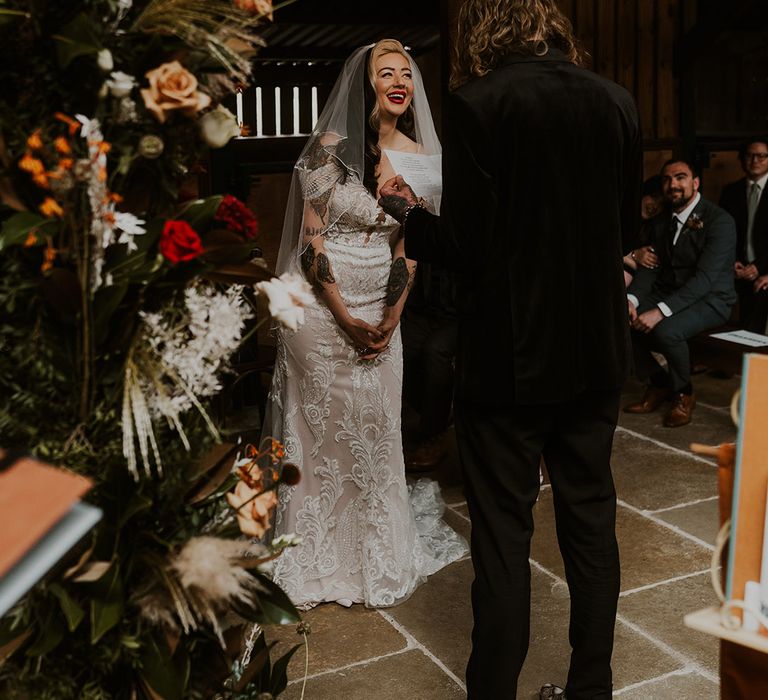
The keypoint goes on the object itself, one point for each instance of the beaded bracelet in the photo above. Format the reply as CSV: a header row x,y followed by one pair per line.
x,y
418,205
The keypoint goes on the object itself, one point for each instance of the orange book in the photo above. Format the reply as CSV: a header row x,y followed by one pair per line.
x,y
748,512
33,497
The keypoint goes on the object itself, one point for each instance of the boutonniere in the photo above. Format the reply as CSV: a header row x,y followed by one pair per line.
x,y
694,222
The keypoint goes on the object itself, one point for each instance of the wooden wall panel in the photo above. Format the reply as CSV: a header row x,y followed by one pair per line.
x,y
626,37
666,103
645,61
605,39
584,23
634,42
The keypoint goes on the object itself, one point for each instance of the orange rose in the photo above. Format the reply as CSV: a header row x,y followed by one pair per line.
x,y
253,517
173,88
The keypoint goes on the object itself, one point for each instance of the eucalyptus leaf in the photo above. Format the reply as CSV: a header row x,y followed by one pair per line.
x,y
137,504
275,607
76,39
72,610
200,212
17,228
50,633
106,610
105,303
164,673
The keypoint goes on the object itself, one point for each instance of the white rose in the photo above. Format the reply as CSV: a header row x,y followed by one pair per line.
x,y
287,296
120,84
218,126
104,60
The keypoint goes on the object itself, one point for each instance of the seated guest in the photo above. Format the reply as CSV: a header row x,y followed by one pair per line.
x,y
429,328
745,202
642,253
689,291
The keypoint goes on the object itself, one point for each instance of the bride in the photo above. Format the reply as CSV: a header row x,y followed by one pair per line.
x,y
336,391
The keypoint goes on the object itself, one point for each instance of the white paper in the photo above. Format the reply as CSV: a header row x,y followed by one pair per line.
x,y
753,340
422,172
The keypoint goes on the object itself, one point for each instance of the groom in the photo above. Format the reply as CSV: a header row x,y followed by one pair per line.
x,y
541,180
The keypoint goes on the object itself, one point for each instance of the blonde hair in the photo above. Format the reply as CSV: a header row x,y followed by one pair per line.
x,y
488,31
381,48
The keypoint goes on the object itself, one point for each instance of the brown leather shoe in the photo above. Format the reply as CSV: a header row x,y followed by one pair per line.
x,y
681,411
427,455
653,397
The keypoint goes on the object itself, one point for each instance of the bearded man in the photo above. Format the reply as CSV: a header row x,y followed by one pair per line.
x,y
690,291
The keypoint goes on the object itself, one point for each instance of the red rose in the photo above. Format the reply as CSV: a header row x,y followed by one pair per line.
x,y
179,242
237,217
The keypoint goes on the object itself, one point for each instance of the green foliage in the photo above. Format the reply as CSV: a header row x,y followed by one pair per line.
x,y
65,341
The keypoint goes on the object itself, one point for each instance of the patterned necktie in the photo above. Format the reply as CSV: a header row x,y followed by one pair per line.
x,y
752,202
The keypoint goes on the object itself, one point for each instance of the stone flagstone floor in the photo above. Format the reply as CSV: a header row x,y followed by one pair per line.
x,y
667,522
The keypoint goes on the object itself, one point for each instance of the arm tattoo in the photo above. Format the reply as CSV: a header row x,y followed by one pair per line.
x,y
398,281
324,274
320,154
395,206
308,260
320,204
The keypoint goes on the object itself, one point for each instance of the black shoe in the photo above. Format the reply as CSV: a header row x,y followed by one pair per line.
x,y
551,692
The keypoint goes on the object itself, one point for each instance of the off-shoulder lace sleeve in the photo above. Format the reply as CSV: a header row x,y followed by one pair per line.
x,y
320,169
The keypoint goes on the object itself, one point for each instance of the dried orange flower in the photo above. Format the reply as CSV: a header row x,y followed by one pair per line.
x,y
34,141
41,180
73,124
278,449
50,207
66,163
62,145
31,239
31,164
104,147
49,257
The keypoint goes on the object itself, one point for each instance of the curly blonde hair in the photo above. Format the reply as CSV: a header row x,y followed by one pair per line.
x,y
488,31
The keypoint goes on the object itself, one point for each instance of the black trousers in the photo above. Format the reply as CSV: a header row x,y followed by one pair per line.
x,y
429,352
670,338
753,307
500,450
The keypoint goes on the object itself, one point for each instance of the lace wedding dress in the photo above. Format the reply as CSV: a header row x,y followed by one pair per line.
x,y
366,536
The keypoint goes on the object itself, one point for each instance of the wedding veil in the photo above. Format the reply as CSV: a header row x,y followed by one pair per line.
x,y
335,151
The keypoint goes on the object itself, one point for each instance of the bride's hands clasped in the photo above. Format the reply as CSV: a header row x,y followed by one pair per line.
x,y
387,328
364,336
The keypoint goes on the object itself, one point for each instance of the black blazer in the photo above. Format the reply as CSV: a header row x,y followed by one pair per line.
x,y
541,179
734,201
698,267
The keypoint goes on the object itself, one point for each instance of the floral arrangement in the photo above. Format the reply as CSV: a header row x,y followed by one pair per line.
x,y
122,294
